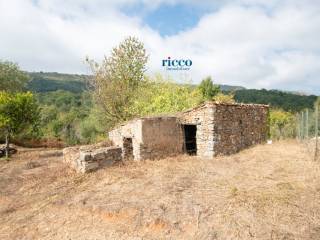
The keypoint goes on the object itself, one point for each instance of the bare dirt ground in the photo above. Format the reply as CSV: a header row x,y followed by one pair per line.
x,y
265,192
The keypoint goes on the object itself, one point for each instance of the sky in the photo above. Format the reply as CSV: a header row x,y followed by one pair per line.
x,y
272,44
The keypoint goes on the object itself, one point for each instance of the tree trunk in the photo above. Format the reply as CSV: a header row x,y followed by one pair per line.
x,y
7,145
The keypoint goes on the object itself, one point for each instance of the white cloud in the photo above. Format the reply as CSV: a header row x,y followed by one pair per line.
x,y
253,43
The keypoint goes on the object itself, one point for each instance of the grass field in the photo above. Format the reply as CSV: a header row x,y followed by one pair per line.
x,y
265,192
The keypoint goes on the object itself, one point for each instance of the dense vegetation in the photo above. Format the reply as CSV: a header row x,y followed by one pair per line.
x,y
79,109
278,99
69,117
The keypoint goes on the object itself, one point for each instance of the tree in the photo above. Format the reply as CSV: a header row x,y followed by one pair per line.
x,y
118,78
224,98
161,95
12,79
18,112
208,89
282,124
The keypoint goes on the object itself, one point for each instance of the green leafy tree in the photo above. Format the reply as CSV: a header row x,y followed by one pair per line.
x,y
18,112
118,78
282,124
12,79
208,89
164,96
224,98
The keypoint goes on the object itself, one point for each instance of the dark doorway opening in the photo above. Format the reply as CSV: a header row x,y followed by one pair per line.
x,y
190,139
127,148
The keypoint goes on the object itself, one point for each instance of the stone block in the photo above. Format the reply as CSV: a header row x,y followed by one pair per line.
x,y
85,156
88,167
71,155
98,155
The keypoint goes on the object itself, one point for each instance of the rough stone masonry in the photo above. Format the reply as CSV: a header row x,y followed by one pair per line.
x,y
226,128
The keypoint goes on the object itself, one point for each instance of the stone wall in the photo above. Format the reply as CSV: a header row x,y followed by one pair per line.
x,y
238,126
227,128
202,117
153,137
162,137
133,130
83,160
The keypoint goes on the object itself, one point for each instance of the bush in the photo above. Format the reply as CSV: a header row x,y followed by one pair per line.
x,y
282,124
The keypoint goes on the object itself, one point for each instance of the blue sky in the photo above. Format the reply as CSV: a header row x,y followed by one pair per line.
x,y
270,44
169,19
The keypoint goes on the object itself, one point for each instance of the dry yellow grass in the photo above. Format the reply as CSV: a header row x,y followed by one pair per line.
x,y
266,192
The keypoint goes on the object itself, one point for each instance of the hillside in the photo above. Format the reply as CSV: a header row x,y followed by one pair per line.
x,y
48,82
230,88
285,100
52,81
265,192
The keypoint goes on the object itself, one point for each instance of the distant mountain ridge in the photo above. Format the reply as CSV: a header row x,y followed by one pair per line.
x,y
53,81
230,88
59,76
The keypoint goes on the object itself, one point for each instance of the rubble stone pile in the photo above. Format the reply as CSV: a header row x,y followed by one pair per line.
x,y
84,159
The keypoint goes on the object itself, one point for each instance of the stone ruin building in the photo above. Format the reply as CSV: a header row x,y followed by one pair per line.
x,y
208,130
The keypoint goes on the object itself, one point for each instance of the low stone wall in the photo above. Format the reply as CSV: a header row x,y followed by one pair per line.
x,y
83,160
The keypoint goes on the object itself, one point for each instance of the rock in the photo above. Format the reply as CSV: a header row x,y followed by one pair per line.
x,y
12,150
